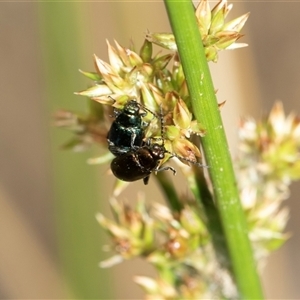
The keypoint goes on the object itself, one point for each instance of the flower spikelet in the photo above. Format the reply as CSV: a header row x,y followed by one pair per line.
x,y
216,34
87,129
126,74
268,163
133,231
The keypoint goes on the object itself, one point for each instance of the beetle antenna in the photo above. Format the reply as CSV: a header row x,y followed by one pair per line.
x,y
162,126
142,106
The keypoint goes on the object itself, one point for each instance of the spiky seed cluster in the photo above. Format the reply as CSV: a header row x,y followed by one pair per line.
x,y
268,162
147,78
130,75
139,231
177,246
88,129
216,34
133,233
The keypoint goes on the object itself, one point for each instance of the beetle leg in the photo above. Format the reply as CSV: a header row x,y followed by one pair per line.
x,y
165,169
146,180
133,136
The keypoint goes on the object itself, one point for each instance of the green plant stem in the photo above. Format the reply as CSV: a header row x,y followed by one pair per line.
x,y
167,187
215,147
213,219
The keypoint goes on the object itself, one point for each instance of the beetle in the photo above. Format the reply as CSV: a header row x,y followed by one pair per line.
x,y
128,129
139,163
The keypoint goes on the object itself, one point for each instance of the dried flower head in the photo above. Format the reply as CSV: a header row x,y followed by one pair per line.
x,y
268,162
147,79
177,245
216,34
88,129
132,233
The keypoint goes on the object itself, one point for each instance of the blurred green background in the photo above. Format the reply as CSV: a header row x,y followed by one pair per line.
x,y
50,242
